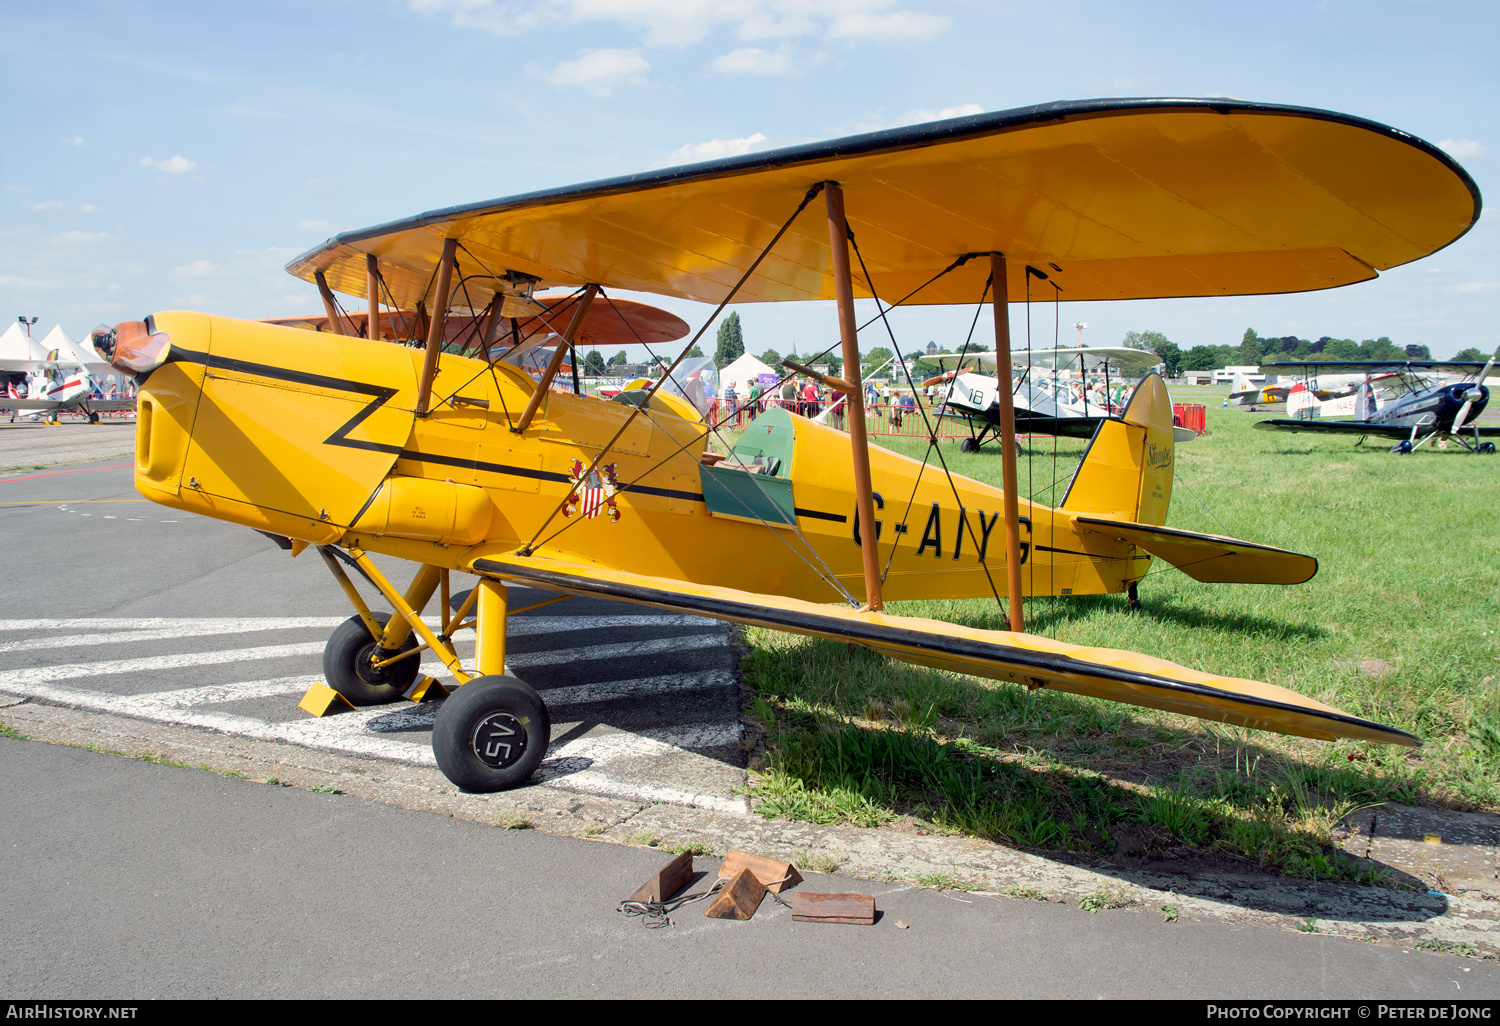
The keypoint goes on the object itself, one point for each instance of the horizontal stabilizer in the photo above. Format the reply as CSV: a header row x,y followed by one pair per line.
x,y
1210,558
1001,655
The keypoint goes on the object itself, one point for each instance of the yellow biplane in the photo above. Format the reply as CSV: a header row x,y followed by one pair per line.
x,y
448,452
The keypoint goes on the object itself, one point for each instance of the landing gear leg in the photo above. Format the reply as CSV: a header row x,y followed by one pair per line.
x,y
493,733
1132,598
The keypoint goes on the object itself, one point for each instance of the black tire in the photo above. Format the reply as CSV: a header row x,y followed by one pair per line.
x,y
491,734
346,664
969,445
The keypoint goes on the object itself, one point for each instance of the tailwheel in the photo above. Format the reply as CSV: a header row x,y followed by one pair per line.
x,y
349,664
1132,598
491,734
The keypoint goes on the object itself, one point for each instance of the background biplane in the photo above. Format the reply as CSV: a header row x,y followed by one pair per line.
x,y
1043,402
1412,406
469,464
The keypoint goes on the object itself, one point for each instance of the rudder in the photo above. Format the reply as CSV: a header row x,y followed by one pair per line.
x,y
1126,473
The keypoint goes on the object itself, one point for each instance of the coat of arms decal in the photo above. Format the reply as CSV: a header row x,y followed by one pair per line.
x,y
593,494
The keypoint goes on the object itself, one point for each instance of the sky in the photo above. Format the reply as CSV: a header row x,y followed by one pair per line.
x,y
177,155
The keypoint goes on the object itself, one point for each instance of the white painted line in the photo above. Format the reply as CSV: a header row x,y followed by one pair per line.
x,y
218,694
613,650
608,691
15,681
187,623
179,629
592,782
343,733
528,623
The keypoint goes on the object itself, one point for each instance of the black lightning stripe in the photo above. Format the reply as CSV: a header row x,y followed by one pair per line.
x,y
380,394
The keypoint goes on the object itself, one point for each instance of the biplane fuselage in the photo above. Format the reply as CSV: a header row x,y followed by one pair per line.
x,y
313,436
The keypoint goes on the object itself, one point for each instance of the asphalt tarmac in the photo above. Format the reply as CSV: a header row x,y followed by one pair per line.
x,y
124,879
120,605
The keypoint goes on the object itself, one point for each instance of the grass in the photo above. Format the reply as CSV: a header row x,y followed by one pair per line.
x,y
512,820
1409,577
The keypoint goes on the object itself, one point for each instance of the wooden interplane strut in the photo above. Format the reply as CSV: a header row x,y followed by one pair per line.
x,y
838,241
1001,302
563,347
438,325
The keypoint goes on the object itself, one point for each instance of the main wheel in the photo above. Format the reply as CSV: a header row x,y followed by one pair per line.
x,y
968,445
491,734
348,664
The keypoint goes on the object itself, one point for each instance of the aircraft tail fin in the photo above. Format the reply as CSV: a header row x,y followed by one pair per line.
x,y
1126,474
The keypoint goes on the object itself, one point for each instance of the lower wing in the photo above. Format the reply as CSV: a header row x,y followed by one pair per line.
x,y
1361,427
1002,655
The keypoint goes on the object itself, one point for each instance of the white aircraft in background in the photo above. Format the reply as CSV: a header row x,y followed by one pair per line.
x,y
1046,403
58,383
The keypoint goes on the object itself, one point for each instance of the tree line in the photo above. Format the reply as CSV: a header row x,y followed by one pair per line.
x,y
1254,350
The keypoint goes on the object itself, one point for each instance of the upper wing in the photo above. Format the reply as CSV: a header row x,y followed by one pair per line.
x,y
1307,368
1134,361
984,361
1020,658
1109,199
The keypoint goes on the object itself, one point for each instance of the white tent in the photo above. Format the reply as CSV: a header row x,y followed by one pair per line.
x,y
16,348
743,371
70,351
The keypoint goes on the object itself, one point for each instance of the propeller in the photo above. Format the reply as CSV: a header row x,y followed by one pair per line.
x,y
1472,396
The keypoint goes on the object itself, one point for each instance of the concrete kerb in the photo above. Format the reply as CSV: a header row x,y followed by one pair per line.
x,y
978,870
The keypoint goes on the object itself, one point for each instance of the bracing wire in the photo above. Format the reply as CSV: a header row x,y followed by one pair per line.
x,y
931,434
812,193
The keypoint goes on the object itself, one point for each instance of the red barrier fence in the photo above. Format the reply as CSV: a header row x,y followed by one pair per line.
x,y
1190,415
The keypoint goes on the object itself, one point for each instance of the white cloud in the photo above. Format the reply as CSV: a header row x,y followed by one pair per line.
x,y
196,269
50,206
321,227
23,284
1474,286
1463,149
19,188
749,60
678,23
715,148
599,71
88,208
76,140
895,27
917,117
172,165
80,238
878,122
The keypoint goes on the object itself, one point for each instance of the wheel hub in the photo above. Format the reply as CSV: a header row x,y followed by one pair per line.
x,y
499,740
368,672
